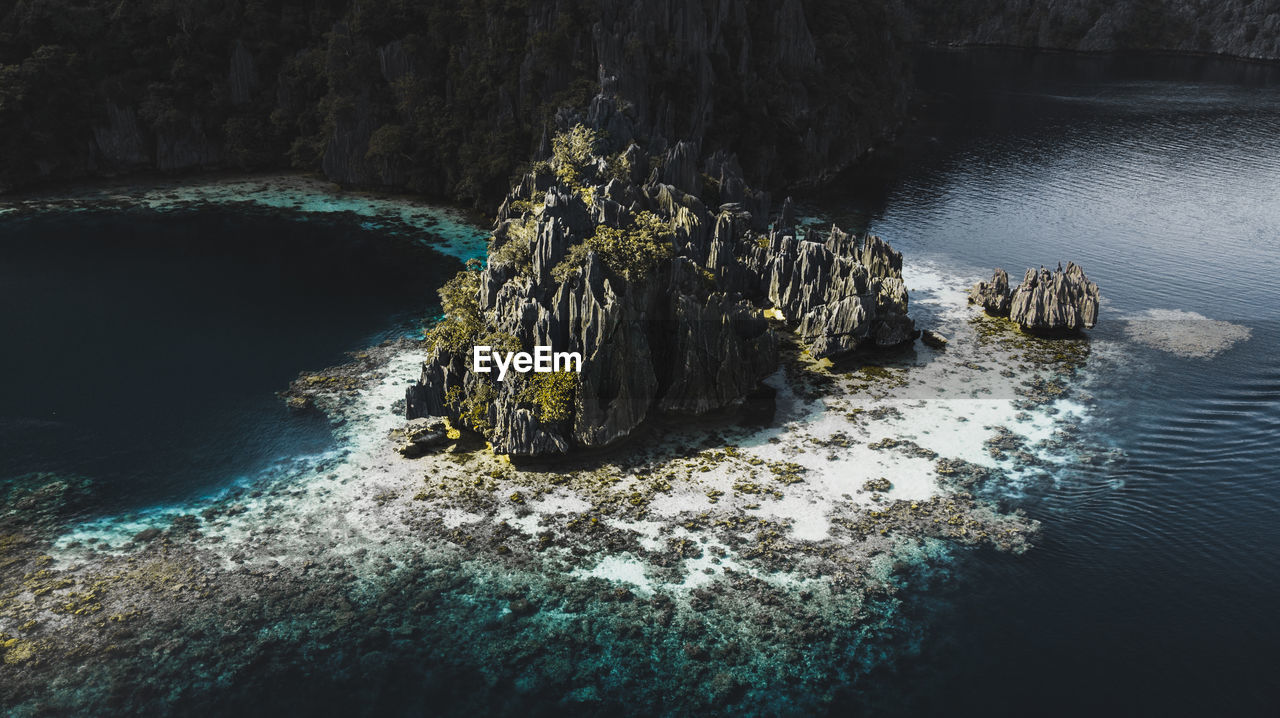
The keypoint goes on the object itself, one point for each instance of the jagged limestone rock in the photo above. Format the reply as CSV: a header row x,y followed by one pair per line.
x,y
1062,300
994,296
933,339
787,218
518,432
720,346
842,294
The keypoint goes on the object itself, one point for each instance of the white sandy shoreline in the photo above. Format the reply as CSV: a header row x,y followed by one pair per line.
x,y
364,501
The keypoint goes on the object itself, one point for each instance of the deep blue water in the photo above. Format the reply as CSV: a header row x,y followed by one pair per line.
x,y
143,349
1154,588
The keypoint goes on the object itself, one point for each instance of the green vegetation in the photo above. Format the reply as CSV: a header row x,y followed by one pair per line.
x,y
391,143
462,321
553,394
573,260
517,251
524,206
573,154
407,94
632,251
436,97
473,408
619,167
501,341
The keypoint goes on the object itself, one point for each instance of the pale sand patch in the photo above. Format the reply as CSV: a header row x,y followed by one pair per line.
x,y
623,568
561,501
453,518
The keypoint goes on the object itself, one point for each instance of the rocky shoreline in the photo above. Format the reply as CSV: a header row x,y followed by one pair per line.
x,y
367,567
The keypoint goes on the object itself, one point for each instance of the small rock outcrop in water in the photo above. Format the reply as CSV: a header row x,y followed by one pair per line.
x,y
1055,301
1061,300
993,296
421,436
597,252
933,339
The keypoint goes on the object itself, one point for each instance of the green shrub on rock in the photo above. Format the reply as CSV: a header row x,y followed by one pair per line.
x,y
517,252
473,408
462,323
572,262
572,154
634,251
554,394
501,341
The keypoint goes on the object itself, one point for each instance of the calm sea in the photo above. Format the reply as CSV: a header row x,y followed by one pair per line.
x,y
1155,587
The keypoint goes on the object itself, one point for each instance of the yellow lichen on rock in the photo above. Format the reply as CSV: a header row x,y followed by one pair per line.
x,y
18,651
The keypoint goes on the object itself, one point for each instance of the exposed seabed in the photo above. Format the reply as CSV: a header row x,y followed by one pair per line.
x,y
712,566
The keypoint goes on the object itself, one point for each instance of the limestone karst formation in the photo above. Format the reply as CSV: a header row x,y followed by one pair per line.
x,y
1061,300
607,251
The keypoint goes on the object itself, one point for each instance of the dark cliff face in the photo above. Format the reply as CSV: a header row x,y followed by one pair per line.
x,y
441,98
1239,28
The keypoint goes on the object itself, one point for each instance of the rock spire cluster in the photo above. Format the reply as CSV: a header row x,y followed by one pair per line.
x,y
1061,300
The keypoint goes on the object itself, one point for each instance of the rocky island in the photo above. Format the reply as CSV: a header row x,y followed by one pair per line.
x,y
612,254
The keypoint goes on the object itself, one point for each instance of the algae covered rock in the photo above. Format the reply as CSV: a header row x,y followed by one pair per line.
x,y
421,436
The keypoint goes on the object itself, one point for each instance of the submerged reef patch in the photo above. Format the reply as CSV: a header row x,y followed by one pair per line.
x,y
444,229
1185,334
